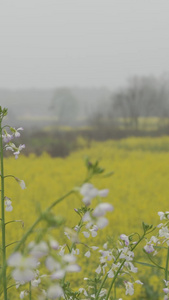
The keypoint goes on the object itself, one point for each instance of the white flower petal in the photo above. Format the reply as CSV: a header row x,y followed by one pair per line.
x,y
98,270
25,275
15,259
73,268
54,292
52,264
103,193
58,274
139,282
87,254
69,258
102,222
54,244
101,209
86,234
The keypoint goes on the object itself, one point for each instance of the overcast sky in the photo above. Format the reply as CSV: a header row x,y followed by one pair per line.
x,y
51,43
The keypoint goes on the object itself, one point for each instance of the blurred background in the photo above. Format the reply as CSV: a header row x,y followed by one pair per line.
x,y
76,71
89,77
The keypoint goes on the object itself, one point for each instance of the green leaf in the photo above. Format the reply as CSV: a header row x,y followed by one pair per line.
x,y
146,227
145,264
149,265
108,174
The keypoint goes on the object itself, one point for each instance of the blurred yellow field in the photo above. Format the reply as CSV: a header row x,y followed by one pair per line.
x,y
138,190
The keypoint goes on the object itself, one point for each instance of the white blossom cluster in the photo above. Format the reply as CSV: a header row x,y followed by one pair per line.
x,y
160,240
16,151
7,200
110,259
8,137
94,220
113,261
57,263
57,260
55,257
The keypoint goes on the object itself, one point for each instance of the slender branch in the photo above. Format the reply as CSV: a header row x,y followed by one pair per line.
x,y
9,176
101,286
109,291
11,286
6,126
13,221
40,218
12,243
105,278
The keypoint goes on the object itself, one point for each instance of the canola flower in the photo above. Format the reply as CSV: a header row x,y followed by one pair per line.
x,y
25,266
115,262
58,265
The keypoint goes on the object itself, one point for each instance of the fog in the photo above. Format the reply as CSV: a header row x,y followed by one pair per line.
x,y
53,43
90,49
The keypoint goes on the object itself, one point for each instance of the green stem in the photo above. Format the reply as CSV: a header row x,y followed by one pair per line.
x,y
101,286
15,221
166,267
3,219
40,218
109,291
25,236
30,290
105,278
132,248
114,278
70,251
114,291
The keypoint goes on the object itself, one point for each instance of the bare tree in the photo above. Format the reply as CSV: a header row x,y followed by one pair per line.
x,y
144,97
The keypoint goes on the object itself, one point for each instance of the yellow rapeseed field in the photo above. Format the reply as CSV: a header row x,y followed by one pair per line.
x,y
138,190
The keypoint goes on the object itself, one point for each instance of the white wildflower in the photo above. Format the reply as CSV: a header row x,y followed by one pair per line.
x,y
126,254
125,238
38,250
23,294
139,282
16,132
54,292
54,244
86,234
129,288
21,183
8,204
98,270
88,191
24,267
87,254
103,193
101,209
7,137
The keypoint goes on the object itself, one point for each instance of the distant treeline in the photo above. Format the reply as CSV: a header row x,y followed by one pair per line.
x,y
55,120
142,104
